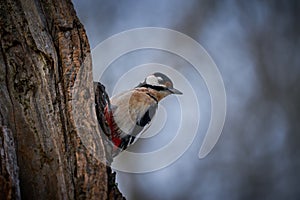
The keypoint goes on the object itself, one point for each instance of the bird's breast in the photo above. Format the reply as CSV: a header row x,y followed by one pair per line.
x,y
132,111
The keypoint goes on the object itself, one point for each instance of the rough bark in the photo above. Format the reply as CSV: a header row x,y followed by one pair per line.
x,y
47,103
9,176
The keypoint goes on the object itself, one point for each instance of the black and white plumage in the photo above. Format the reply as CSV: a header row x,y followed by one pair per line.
x,y
132,111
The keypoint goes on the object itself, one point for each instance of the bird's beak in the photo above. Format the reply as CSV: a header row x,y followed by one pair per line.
x,y
174,91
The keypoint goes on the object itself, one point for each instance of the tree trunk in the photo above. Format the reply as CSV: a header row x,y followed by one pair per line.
x,y
50,138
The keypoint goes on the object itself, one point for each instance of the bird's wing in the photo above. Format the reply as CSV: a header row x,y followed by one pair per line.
x,y
144,123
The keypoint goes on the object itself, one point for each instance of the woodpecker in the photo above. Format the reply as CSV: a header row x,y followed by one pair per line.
x,y
131,112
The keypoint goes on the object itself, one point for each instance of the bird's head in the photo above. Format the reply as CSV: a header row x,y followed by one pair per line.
x,y
159,85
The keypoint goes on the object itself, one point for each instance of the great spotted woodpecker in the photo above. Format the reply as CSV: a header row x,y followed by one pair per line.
x,y
131,112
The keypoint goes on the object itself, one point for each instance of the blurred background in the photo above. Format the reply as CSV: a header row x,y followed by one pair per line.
x,y
256,46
